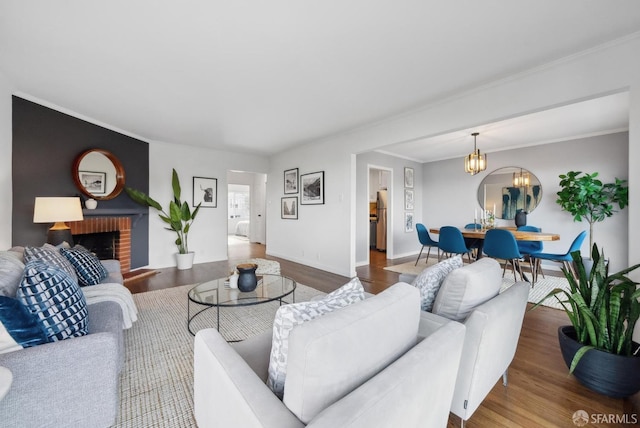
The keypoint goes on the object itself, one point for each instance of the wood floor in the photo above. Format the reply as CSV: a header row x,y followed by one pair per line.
x,y
540,391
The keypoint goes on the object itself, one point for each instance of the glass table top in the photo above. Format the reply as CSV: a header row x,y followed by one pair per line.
x,y
216,293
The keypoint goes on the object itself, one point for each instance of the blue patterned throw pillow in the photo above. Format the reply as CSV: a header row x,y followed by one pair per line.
x,y
19,328
50,255
88,267
55,299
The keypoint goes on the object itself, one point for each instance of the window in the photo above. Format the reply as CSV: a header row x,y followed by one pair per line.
x,y
239,201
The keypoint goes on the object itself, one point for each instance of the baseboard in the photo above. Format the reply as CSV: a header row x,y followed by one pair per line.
x,y
312,264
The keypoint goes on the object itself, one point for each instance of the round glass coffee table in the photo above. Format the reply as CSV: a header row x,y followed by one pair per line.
x,y
215,294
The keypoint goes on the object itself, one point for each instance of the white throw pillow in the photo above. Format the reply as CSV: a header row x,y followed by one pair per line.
x,y
468,287
430,280
291,315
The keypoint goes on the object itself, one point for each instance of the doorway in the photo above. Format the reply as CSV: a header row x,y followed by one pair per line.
x,y
379,209
239,214
246,203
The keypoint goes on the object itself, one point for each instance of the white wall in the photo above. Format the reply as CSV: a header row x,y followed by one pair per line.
x,y
602,70
447,182
208,236
6,193
321,235
400,242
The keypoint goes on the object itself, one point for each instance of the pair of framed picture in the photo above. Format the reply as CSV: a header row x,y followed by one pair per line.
x,y
309,186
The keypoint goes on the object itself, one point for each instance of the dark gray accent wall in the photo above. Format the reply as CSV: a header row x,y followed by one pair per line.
x,y
45,144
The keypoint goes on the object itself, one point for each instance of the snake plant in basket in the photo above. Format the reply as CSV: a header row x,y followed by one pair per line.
x,y
603,309
179,217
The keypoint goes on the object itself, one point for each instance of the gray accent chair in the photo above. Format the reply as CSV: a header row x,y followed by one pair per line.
x,y
368,364
492,331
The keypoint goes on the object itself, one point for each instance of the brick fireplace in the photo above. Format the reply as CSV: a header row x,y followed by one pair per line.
x,y
122,225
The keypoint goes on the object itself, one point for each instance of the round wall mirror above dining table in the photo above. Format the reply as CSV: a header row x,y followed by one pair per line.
x,y
98,174
508,190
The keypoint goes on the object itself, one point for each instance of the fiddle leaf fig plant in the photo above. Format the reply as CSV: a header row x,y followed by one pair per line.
x,y
584,196
179,217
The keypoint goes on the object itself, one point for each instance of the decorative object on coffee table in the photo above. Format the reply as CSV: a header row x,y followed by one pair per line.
x,y
247,280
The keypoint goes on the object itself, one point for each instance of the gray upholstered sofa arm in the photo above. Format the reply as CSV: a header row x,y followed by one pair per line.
x,y
113,267
429,323
493,329
71,383
223,378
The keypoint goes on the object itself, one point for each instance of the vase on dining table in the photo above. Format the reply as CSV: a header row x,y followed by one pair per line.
x,y
521,218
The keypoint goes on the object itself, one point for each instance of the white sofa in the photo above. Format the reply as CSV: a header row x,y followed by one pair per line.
x,y
370,364
492,328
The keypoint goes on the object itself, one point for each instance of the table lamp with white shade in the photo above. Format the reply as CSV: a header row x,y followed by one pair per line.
x,y
57,210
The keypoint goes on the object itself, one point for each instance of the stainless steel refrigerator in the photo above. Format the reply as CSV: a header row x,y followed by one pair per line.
x,y
381,228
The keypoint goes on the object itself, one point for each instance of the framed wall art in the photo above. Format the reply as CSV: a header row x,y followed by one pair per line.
x,y
95,182
408,177
408,222
408,199
312,186
291,181
205,191
289,208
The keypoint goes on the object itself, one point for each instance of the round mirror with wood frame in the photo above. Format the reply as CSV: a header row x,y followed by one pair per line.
x,y
98,174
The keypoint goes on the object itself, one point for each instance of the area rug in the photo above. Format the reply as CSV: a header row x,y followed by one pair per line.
x,y
156,384
542,287
409,267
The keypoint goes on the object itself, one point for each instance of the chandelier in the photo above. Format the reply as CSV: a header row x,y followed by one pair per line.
x,y
475,162
521,179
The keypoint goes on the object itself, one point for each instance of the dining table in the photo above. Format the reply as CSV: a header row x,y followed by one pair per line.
x,y
520,235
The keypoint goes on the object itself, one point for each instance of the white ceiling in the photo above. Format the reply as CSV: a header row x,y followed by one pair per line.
x,y
598,116
262,76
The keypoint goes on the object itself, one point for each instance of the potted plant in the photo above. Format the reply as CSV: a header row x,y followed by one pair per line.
x,y
179,219
586,197
603,309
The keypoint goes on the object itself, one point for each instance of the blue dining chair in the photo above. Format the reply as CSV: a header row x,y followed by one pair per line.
x,y
473,243
501,244
451,242
426,241
565,258
529,248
